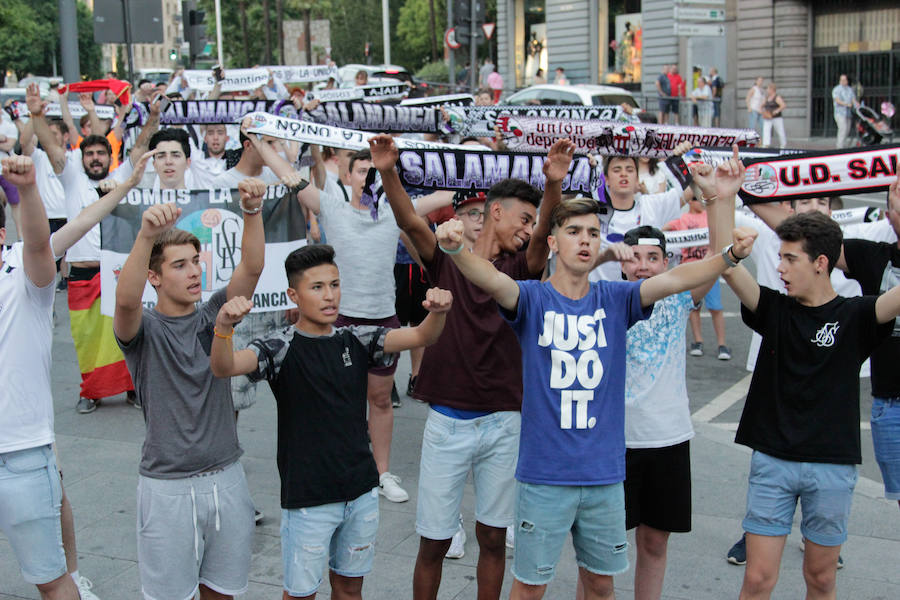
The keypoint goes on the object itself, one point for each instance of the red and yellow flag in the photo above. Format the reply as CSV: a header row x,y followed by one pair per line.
x,y
102,365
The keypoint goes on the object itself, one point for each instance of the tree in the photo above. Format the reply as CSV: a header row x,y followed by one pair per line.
x,y
29,38
414,40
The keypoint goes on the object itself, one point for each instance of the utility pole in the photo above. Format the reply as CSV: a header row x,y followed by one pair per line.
x,y
473,46
386,30
451,59
68,41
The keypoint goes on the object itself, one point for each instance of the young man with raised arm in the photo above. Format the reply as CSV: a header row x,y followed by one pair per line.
x,y
318,373
572,335
30,488
82,173
472,377
801,416
195,517
876,266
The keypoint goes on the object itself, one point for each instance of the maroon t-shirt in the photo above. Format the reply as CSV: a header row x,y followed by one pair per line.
x,y
476,364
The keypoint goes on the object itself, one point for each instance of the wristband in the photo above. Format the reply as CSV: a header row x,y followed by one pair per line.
x,y
730,258
704,200
445,251
248,211
224,337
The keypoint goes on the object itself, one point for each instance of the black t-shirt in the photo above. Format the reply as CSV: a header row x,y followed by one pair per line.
x,y
319,383
876,266
803,403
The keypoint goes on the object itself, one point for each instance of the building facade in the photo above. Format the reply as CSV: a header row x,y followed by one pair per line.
x,y
801,45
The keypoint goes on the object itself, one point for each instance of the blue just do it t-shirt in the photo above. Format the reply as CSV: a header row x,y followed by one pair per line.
x,y
573,364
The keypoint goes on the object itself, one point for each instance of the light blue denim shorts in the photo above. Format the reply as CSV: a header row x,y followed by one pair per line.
x,y
340,535
545,514
886,438
30,499
489,447
825,492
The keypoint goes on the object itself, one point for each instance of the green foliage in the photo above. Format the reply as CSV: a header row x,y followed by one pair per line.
x,y
413,31
435,71
352,22
29,38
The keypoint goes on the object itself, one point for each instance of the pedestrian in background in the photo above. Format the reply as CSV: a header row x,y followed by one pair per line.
x,y
844,100
772,115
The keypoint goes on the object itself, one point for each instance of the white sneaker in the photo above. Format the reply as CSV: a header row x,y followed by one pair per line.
x,y
84,588
458,543
511,537
389,487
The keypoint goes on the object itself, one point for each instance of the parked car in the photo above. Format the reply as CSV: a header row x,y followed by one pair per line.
x,y
377,73
16,93
572,95
159,75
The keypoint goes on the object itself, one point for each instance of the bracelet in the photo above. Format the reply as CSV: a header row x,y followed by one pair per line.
x,y
730,258
704,200
247,211
224,337
445,251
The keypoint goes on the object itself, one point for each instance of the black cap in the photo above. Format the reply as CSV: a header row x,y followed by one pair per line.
x,y
461,198
646,235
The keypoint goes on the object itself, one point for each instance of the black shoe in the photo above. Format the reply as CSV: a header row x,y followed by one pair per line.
x,y
132,399
738,553
411,386
62,285
395,397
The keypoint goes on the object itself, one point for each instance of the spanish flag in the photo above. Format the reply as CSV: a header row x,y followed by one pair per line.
x,y
102,365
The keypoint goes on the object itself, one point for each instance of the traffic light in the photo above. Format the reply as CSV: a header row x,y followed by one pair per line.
x,y
462,12
193,20
173,54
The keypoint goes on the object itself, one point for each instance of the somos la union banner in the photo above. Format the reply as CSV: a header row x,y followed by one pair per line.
x,y
215,217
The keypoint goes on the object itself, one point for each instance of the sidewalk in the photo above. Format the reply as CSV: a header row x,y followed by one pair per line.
x,y
99,454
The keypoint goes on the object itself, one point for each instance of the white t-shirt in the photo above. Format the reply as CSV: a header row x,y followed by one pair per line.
x,y
210,164
364,250
26,403
232,177
757,98
652,182
81,192
657,412
49,186
194,179
648,209
7,129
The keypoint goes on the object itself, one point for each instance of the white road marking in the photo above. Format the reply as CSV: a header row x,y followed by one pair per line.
x,y
723,401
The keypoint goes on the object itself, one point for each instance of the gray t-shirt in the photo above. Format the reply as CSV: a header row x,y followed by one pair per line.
x,y
364,251
188,411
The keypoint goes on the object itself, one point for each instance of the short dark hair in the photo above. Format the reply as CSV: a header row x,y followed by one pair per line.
x,y
172,134
513,188
95,140
360,155
574,208
59,123
607,160
634,236
143,81
307,257
83,120
819,234
172,237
